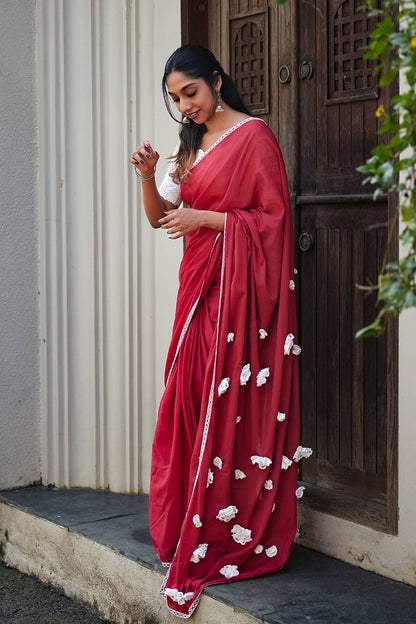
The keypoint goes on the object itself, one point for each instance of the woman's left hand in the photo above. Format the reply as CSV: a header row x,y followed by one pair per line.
x,y
181,221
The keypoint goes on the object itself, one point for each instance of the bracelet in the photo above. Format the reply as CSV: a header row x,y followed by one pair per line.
x,y
149,176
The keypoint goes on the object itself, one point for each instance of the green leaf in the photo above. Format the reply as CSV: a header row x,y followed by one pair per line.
x,y
371,330
388,77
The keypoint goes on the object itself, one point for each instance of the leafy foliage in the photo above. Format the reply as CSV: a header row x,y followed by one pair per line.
x,y
392,166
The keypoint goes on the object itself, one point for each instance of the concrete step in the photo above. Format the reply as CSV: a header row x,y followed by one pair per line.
x,y
95,546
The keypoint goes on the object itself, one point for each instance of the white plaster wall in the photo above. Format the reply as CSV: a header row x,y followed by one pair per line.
x,y
108,279
19,248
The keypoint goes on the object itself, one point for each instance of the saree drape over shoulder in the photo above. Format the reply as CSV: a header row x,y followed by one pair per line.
x,y
224,466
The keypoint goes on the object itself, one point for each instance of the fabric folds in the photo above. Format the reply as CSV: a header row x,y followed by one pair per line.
x,y
221,506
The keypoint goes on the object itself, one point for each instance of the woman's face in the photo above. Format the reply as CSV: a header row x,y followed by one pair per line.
x,y
193,97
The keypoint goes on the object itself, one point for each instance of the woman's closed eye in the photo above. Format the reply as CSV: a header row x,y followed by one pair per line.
x,y
188,95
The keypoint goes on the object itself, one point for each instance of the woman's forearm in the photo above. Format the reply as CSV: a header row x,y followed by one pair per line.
x,y
154,204
214,220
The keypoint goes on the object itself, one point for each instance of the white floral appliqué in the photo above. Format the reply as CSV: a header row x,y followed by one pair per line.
x,y
286,462
288,344
197,521
296,350
263,462
228,513
291,285
179,596
224,385
238,419
230,337
302,452
258,549
199,553
268,484
271,552
210,477
239,474
299,492
217,461
262,376
281,416
241,535
263,334
229,571
245,374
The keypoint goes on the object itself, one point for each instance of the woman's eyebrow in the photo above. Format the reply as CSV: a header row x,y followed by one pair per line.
x,y
191,84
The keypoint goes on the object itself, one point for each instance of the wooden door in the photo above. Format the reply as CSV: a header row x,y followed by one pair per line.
x,y
301,68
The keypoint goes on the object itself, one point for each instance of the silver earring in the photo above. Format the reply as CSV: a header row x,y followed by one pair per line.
x,y
219,108
186,120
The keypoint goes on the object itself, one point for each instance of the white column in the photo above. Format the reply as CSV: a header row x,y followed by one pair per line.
x,y
100,63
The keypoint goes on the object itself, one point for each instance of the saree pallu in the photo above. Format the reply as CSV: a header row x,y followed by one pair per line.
x,y
224,464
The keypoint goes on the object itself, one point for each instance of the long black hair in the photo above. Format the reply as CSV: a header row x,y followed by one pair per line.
x,y
197,62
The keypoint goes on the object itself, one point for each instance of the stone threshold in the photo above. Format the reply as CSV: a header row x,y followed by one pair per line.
x,y
95,546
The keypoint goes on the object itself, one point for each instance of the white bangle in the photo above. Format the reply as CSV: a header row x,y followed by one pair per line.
x,y
149,176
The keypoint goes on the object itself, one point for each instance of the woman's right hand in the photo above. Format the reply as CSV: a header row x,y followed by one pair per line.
x,y
144,158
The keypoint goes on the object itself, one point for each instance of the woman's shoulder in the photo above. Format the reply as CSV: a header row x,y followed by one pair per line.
x,y
258,132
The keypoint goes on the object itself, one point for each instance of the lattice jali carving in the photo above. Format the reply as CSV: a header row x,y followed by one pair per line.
x,y
350,74
242,6
249,60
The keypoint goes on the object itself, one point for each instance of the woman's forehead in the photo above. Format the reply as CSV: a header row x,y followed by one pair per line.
x,y
177,81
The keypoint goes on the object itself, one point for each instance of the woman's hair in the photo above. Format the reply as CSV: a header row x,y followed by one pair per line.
x,y
197,62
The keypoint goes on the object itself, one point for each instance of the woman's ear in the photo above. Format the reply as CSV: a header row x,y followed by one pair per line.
x,y
218,80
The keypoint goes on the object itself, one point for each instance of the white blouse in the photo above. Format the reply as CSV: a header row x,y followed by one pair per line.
x,y
170,190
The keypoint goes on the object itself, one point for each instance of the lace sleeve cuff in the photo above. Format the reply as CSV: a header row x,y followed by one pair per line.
x,y
168,189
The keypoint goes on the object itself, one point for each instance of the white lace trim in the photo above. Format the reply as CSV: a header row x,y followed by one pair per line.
x,y
178,596
195,603
191,313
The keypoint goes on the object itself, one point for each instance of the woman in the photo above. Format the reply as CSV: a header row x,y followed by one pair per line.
x,y
224,464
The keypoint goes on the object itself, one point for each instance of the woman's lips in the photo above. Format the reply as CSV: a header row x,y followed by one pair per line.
x,y
193,115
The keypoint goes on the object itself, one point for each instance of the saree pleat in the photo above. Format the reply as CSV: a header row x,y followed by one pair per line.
x,y
224,478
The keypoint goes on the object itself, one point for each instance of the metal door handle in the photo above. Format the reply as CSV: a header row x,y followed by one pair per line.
x,y
305,70
305,241
285,74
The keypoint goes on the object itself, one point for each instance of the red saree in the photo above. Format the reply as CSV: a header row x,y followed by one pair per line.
x,y
224,466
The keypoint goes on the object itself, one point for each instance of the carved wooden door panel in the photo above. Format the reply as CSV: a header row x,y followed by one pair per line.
x,y
301,68
348,386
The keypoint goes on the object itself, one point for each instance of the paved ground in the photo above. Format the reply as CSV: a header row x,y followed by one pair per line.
x,y
311,589
25,600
